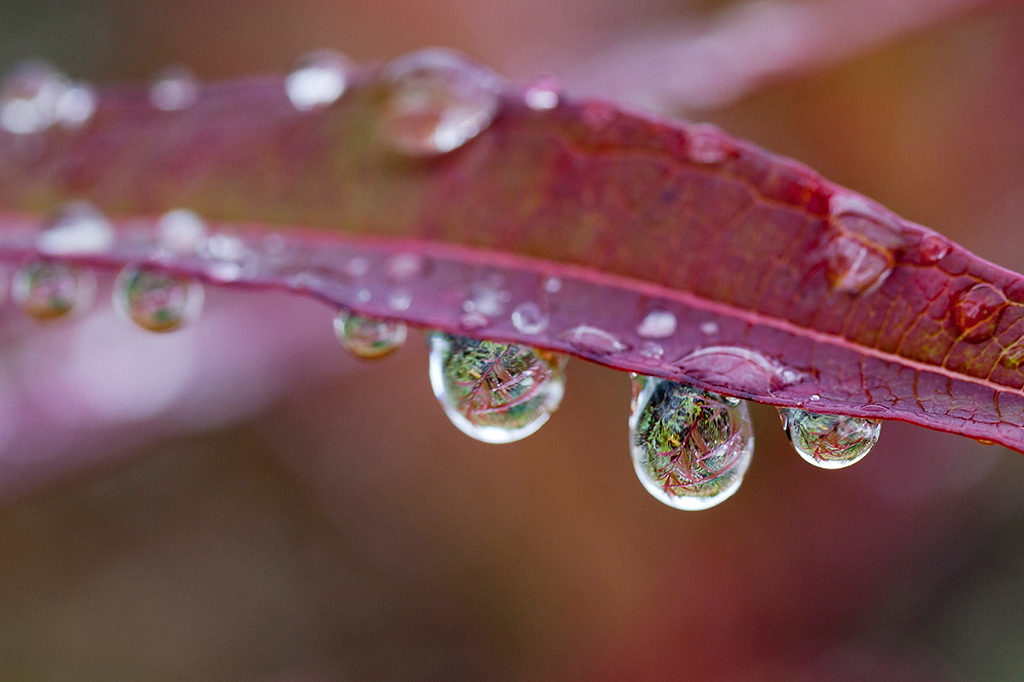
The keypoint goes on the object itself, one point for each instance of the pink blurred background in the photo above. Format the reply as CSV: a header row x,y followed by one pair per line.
x,y
241,501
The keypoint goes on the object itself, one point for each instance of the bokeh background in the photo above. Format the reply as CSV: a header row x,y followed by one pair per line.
x,y
241,501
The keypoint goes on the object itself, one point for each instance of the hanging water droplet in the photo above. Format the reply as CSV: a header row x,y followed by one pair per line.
x,y
318,79
829,441
367,337
657,324
529,318
29,97
76,228
977,310
690,447
495,392
174,88
181,232
157,301
436,101
49,290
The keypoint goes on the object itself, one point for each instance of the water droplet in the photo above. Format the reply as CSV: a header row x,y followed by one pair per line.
x,y
709,328
529,318
364,295
495,392
744,369
29,97
76,228
75,106
815,397
367,337
174,88
829,441
473,321
400,300
708,144
437,100
543,93
860,252
357,267
318,79
933,248
404,266
486,298
181,232
652,350
552,285
657,324
225,247
595,340
690,447
157,301
977,310
49,290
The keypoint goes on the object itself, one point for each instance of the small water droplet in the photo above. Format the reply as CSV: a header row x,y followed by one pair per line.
x,y
49,290
224,271
473,321
652,350
657,324
181,232
75,106
829,441
744,369
977,310
860,252
815,397
543,93
225,247
29,97
367,337
364,295
76,228
157,301
403,267
708,144
709,328
594,340
495,392
174,88
529,318
437,100
690,447
486,298
552,285
319,78
933,248
400,300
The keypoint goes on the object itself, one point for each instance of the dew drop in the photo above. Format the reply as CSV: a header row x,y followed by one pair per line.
x,y
319,78
486,298
552,285
528,318
977,310
860,252
708,144
829,441
495,392
174,88
157,301
405,266
400,300
75,106
543,94
594,340
367,337
933,248
76,228
652,350
690,447
436,101
49,290
30,97
181,232
657,324
709,328
473,321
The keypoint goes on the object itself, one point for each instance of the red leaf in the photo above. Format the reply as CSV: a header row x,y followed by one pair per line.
x,y
642,244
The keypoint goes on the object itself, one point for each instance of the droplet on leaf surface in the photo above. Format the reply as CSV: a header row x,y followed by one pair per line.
x,y
174,88
49,290
30,97
436,100
76,228
976,311
157,301
829,441
368,338
690,447
318,79
495,392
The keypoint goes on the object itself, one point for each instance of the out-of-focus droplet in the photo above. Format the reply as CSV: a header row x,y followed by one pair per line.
x,y
829,441
543,93
75,106
486,298
436,100
76,228
174,88
708,144
48,290
157,301
319,78
181,232
495,392
976,311
29,97
528,318
690,447
657,324
367,337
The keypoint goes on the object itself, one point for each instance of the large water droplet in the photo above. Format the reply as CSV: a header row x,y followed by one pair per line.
x,y
174,88
30,97
860,252
76,228
367,337
318,79
829,441
690,447
495,392
157,301
976,311
50,290
436,101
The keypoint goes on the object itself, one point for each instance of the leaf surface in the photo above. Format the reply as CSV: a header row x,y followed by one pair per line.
x,y
647,245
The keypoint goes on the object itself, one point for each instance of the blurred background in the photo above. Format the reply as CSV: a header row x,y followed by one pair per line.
x,y
241,501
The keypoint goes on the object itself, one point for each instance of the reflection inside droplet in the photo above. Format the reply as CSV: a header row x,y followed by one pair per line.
x,y
48,290
318,79
157,301
367,337
829,441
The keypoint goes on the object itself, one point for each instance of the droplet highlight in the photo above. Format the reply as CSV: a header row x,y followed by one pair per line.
x,y
543,94
31,97
829,441
49,290
690,447
657,324
318,79
157,301
528,318
181,232
368,338
436,101
76,228
495,392
174,88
